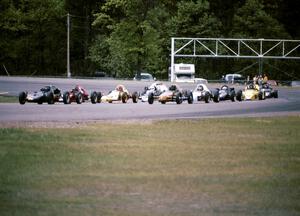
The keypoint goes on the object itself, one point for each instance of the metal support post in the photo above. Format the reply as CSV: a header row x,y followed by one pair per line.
x,y
172,59
68,46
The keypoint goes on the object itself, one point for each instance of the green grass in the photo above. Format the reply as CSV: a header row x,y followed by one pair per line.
x,y
8,99
247,166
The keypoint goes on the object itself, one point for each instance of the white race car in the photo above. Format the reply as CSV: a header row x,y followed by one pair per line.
x,y
120,93
154,90
202,93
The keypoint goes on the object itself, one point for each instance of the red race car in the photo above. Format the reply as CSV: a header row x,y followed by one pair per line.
x,y
78,95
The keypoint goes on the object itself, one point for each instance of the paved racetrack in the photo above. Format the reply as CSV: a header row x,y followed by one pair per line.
x,y
287,103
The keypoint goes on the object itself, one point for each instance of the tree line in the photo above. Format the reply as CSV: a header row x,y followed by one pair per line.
x,y
123,37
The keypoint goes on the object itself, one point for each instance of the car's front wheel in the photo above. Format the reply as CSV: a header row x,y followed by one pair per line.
x,y
66,98
51,98
22,98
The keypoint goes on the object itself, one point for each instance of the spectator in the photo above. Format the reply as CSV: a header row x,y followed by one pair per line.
x,y
265,78
255,79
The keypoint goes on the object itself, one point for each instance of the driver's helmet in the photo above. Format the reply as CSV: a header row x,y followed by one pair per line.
x,y
78,88
251,86
173,88
224,87
119,88
200,88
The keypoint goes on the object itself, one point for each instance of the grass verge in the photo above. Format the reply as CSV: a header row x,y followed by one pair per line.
x,y
247,166
8,99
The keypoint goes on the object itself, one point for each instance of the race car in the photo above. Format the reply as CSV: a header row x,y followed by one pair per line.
x,y
251,92
78,95
226,93
202,93
176,94
268,91
120,93
152,92
49,94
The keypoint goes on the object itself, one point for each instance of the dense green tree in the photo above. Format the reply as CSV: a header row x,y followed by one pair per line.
x,y
194,19
134,38
122,37
252,21
30,35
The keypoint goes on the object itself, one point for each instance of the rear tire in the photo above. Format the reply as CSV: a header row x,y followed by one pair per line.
x,y
232,95
99,96
135,97
190,98
206,97
124,97
79,98
66,98
261,96
178,98
94,97
151,98
22,98
275,94
239,95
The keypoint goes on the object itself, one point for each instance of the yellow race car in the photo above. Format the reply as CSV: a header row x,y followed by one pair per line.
x,y
251,92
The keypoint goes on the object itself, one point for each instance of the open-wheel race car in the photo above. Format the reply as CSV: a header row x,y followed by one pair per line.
x,y
78,95
225,93
176,94
152,92
268,91
120,93
48,94
202,93
251,92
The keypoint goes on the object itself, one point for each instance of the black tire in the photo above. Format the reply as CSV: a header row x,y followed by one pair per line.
x,y
40,102
22,98
51,98
66,98
151,98
216,97
178,98
260,96
190,98
124,97
206,97
135,97
275,94
163,102
94,97
232,95
79,98
99,96
239,95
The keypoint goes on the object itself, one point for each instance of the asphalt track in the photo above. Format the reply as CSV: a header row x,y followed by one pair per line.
x,y
288,103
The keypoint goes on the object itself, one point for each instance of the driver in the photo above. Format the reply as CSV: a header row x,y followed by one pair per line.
x,y
200,88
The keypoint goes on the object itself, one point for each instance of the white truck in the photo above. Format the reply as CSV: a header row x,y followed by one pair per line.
x,y
185,73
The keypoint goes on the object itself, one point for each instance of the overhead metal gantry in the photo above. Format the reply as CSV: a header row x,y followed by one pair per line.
x,y
233,48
